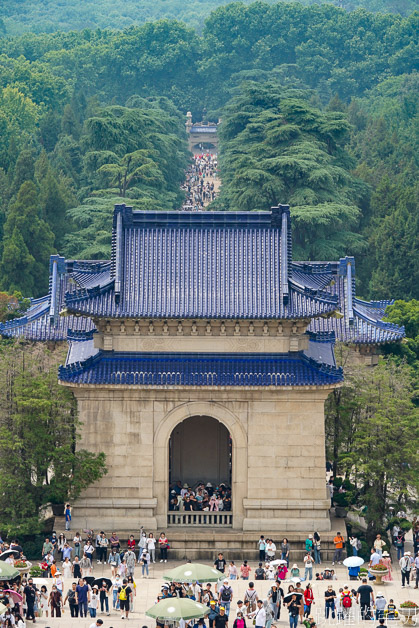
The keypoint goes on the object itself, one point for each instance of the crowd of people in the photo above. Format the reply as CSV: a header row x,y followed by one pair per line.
x,y
290,589
203,497
200,182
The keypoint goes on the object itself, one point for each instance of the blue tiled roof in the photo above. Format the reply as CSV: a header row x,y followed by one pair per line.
x,y
42,321
357,322
204,264
218,265
187,369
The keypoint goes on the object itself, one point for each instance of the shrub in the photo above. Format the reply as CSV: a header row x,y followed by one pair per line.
x,y
341,500
36,572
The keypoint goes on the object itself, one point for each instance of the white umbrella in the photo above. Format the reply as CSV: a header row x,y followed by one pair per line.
x,y
295,580
353,561
278,562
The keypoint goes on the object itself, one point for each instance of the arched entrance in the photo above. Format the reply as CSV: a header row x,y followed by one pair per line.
x,y
200,450
162,434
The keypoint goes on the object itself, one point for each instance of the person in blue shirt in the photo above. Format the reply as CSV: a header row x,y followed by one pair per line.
x,y
214,611
353,573
67,515
83,597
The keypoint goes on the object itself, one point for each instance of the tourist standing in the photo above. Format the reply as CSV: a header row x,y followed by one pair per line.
x,y
364,597
285,551
77,545
124,596
85,566
116,583
225,596
379,544
261,547
151,547
83,597
130,561
163,546
104,598
386,561
294,610
416,564
114,561
259,614
274,598
220,563
308,567
71,597
30,596
406,567
270,550
94,601
317,548
133,586
245,570
232,571
329,599
339,543
308,599
144,562
67,515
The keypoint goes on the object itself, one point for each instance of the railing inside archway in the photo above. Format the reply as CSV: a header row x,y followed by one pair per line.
x,y
200,473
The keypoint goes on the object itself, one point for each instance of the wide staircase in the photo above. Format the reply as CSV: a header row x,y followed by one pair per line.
x,y
191,542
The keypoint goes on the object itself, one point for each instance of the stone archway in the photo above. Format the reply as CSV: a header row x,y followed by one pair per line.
x,y
161,455
200,451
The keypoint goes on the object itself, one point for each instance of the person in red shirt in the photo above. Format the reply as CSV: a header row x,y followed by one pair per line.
x,y
308,600
131,542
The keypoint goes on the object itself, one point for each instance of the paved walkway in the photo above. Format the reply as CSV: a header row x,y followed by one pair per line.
x,y
148,589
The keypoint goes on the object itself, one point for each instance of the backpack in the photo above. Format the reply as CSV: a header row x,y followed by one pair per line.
x,y
123,594
346,601
226,594
250,595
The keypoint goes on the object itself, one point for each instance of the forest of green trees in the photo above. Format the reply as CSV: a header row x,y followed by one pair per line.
x,y
319,109
19,16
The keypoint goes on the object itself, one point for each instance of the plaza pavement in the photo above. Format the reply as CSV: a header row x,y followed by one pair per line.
x,y
148,589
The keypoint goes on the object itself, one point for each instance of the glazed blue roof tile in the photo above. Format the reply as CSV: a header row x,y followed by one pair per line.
x,y
187,369
202,265
294,289
42,321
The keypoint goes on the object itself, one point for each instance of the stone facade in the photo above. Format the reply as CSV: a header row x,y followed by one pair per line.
x,y
278,440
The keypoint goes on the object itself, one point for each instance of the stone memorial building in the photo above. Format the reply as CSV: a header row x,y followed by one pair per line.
x,y
203,352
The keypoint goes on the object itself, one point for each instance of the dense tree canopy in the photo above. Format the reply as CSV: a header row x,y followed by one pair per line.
x,y
53,15
275,146
93,116
38,434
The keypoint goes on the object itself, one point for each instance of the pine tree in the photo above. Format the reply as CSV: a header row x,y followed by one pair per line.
x,y
27,244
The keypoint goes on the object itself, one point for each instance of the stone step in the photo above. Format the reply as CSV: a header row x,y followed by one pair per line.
x,y
204,543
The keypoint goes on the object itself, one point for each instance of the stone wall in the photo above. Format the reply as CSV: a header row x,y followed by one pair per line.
x,y
278,454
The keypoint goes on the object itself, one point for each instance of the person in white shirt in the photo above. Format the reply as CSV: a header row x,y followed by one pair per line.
x,y
151,547
406,567
270,550
308,564
98,622
259,614
379,544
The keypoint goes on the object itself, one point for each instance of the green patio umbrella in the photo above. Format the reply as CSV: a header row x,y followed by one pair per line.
x,y
193,573
7,572
176,608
